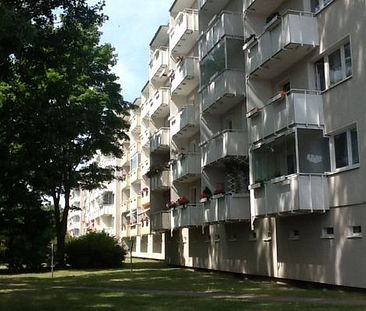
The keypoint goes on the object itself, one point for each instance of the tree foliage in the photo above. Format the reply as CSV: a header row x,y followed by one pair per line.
x,y
60,104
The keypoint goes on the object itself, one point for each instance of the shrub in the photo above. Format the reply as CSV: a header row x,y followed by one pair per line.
x,y
94,250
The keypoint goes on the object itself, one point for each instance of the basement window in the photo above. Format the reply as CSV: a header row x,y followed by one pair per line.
x,y
327,233
354,232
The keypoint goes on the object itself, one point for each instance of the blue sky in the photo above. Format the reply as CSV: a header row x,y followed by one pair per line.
x,y
130,28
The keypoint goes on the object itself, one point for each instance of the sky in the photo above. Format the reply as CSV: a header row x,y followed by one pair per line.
x,y
130,28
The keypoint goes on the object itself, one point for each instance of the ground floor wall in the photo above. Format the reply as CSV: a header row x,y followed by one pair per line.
x,y
150,246
326,248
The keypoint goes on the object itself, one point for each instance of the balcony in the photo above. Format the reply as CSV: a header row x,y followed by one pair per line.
x,y
187,168
159,105
159,142
160,181
135,202
145,138
135,175
160,221
106,210
212,5
145,230
125,205
292,194
286,110
223,92
110,231
185,77
227,144
135,124
145,109
229,207
285,41
145,167
125,184
135,148
145,199
190,215
226,24
263,7
184,34
185,123
125,160
158,65
125,232
135,230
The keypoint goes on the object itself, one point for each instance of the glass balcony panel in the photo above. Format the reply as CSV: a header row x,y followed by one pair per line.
x,y
184,34
185,78
187,169
224,92
160,181
158,64
159,105
185,123
298,193
296,107
160,221
160,140
226,144
226,24
283,44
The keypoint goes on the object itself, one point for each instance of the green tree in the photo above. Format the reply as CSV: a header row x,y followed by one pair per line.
x,y
61,105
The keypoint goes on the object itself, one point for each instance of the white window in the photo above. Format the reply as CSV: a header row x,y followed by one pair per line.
x,y
317,5
334,67
344,147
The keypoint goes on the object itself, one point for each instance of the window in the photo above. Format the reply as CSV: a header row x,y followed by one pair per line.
x,y
108,198
294,235
333,68
354,232
317,5
327,233
345,149
252,235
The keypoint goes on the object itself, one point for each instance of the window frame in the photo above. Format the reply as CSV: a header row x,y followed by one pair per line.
x,y
322,5
326,67
350,155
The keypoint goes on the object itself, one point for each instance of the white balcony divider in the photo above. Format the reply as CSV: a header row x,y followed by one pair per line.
x,y
226,24
135,123
125,184
125,160
190,215
135,175
160,221
160,140
185,78
135,202
297,193
159,62
184,33
225,144
289,37
135,148
185,121
187,167
160,181
145,138
302,107
145,166
223,89
145,109
159,105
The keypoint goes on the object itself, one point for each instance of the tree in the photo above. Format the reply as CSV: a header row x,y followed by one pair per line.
x,y
61,105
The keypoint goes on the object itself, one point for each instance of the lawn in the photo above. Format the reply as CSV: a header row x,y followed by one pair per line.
x,y
157,287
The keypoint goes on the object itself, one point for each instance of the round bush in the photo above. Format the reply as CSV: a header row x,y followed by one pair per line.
x,y
94,250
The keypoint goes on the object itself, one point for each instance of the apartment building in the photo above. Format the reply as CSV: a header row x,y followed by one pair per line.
x,y
258,138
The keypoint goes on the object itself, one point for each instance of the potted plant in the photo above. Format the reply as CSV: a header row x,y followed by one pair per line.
x,y
182,201
205,195
170,204
219,192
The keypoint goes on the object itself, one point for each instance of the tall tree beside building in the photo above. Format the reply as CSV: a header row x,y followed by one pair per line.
x,y
62,105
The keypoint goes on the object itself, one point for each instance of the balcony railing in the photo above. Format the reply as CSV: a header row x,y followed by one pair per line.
x,y
145,109
230,143
262,7
135,230
184,33
160,221
159,105
223,92
160,181
158,64
125,205
185,123
145,166
145,138
135,148
185,77
135,202
190,215
125,184
145,199
212,5
125,232
230,207
285,110
125,160
135,123
187,168
292,194
160,140
226,24
285,41
106,210
135,175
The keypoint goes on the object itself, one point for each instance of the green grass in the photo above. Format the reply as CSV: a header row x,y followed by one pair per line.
x,y
125,290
